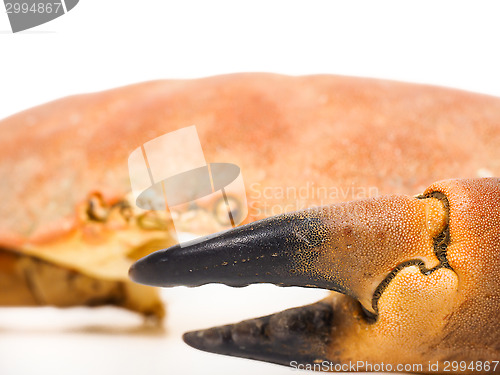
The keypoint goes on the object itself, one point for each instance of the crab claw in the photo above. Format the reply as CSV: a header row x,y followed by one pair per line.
x,y
398,261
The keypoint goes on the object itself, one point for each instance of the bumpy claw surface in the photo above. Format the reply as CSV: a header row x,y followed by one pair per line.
x,y
420,278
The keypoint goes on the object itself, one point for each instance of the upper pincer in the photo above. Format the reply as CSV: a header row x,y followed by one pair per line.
x,y
268,251
349,248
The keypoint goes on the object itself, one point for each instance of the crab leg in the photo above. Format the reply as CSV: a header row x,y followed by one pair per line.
x,y
27,280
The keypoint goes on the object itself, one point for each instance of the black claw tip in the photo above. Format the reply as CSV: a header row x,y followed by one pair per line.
x,y
300,334
273,250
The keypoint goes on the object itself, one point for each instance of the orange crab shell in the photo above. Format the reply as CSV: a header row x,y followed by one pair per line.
x,y
356,134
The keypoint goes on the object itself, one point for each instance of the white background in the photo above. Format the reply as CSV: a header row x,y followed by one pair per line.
x,y
103,44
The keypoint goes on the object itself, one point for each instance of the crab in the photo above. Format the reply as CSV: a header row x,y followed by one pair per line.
x,y
373,140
